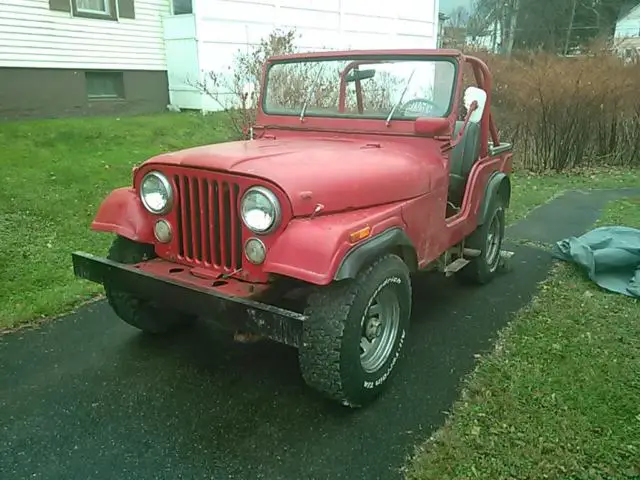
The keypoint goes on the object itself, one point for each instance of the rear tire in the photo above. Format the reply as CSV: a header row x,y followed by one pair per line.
x,y
488,239
139,313
355,333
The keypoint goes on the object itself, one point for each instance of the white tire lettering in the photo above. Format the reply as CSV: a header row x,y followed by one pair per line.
x,y
383,378
372,384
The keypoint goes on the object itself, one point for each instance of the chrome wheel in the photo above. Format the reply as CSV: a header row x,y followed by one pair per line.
x,y
494,242
379,328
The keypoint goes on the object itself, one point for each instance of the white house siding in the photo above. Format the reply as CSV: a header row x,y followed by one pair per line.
x,y
627,35
629,26
208,40
182,61
33,36
490,41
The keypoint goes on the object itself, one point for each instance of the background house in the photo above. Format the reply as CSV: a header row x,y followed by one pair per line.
x,y
209,32
488,38
627,32
62,57
76,57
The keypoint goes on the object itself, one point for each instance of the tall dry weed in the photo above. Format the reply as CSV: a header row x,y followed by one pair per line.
x,y
563,113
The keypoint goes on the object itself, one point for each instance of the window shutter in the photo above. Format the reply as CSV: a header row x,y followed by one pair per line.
x,y
60,5
126,9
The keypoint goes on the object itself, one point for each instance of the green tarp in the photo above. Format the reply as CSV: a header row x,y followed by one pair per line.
x,y
610,256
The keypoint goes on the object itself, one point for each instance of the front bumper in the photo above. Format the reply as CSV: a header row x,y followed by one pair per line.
x,y
169,284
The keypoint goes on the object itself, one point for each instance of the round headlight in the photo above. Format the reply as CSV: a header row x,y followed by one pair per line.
x,y
255,251
156,193
162,231
260,210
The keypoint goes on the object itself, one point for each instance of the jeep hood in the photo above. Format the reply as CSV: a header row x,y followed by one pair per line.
x,y
337,173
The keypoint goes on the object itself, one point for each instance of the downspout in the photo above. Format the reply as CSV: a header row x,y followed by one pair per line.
x,y
437,28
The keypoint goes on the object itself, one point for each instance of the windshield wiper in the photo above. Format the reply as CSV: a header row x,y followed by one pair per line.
x,y
308,99
406,87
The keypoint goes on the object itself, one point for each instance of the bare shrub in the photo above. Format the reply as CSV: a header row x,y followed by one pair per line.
x,y
229,89
565,113
379,92
289,87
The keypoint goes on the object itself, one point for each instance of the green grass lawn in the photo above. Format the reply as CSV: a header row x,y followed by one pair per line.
x,y
559,398
56,172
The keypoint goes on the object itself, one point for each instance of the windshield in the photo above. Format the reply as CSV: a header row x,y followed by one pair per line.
x,y
386,89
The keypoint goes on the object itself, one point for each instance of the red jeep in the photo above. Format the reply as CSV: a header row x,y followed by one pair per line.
x,y
364,167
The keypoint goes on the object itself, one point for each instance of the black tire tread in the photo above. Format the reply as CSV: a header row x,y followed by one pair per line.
x,y
475,272
327,311
136,312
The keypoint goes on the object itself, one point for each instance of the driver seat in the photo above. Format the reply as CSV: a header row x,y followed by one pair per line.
x,y
467,152
462,159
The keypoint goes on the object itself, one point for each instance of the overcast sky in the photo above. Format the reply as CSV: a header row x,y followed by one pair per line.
x,y
447,6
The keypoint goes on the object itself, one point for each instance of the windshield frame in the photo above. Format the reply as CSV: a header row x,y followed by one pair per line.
x,y
452,57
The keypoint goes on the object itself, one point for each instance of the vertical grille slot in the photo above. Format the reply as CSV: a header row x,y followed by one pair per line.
x,y
236,245
215,224
206,230
209,227
224,225
195,220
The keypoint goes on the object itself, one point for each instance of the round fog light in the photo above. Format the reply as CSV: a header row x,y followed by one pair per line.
x,y
255,251
162,231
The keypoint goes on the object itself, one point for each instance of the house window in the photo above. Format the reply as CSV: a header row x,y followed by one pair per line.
x,y
100,7
182,7
104,85
95,9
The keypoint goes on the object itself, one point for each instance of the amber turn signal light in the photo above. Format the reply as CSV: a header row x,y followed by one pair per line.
x,y
358,235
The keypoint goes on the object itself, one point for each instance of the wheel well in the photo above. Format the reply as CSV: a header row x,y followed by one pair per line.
x,y
504,191
408,256
394,241
499,186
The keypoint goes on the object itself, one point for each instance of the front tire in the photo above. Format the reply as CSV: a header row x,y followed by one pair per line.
x,y
139,313
355,333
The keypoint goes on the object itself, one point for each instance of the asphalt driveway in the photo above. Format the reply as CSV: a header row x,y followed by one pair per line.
x,y
87,396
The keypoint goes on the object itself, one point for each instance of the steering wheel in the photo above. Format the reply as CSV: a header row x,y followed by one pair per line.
x,y
425,102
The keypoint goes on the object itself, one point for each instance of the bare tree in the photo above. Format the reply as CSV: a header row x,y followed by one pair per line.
x,y
498,18
483,22
236,89
458,18
511,12
594,6
572,17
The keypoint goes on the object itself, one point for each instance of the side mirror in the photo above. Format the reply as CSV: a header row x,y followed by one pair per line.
x,y
431,127
479,96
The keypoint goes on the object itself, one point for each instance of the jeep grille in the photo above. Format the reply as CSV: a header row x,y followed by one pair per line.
x,y
208,224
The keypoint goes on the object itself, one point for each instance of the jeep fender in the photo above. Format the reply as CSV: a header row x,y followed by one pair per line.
x,y
498,184
318,250
393,239
122,213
